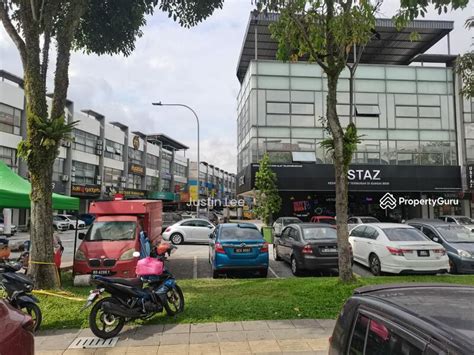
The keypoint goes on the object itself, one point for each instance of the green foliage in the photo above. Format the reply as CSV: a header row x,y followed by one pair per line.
x,y
465,67
112,26
268,201
351,139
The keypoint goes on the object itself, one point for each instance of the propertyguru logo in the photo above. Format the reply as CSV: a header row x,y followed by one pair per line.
x,y
388,201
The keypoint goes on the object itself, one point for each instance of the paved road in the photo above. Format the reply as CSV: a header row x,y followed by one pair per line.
x,y
190,260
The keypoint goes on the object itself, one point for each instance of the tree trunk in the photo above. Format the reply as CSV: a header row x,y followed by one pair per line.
x,y
345,266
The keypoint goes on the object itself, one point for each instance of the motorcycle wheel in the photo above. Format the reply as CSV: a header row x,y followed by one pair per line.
x,y
34,312
174,301
105,325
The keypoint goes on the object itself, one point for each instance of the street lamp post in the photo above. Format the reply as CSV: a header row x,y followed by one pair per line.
x,y
198,162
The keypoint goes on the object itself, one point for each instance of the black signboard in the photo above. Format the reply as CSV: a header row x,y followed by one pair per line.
x,y
85,190
470,177
320,177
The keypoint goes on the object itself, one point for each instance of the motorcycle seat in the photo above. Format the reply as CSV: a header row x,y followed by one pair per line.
x,y
136,282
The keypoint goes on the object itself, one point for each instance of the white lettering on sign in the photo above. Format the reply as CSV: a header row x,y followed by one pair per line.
x,y
363,175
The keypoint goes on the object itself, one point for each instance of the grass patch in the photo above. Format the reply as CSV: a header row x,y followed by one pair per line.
x,y
208,300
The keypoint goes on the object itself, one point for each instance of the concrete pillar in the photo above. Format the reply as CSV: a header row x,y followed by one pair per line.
x,y
67,169
424,209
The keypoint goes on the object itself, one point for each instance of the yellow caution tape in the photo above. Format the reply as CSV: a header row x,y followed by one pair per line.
x,y
58,294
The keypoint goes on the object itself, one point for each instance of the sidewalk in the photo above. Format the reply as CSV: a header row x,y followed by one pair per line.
x,y
302,336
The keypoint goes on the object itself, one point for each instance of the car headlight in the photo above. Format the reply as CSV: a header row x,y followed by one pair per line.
x,y
127,255
80,255
464,254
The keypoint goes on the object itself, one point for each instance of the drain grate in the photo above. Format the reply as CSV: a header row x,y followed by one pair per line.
x,y
92,343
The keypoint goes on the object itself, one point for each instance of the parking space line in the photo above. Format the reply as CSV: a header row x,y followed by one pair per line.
x,y
195,270
273,272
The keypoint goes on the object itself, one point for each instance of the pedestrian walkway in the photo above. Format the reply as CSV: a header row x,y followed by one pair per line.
x,y
302,336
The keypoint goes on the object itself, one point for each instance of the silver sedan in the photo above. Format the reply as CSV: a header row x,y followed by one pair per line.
x,y
189,230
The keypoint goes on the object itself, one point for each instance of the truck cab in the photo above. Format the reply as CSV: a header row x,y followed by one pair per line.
x,y
108,246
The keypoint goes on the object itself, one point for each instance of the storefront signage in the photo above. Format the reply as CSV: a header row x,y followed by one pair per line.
x,y
320,177
470,177
132,193
85,189
136,169
136,142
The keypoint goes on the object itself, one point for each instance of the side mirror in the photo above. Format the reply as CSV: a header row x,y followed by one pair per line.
x,y
81,235
136,254
436,239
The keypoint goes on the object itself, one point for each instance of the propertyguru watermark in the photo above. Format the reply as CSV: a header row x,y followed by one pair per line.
x,y
388,201
216,203
440,201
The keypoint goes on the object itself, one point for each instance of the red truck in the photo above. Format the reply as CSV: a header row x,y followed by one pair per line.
x,y
108,246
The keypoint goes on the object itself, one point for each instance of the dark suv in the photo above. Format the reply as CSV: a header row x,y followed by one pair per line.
x,y
408,319
456,239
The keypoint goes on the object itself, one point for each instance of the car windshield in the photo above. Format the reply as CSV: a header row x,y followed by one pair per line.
x,y
464,220
113,230
72,218
319,233
404,235
239,233
288,221
369,220
456,234
56,218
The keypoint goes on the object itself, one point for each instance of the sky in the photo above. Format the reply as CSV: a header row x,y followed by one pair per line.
x,y
194,66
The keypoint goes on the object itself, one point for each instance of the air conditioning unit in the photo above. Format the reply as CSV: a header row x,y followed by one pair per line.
x,y
66,143
123,179
65,178
73,173
73,168
98,151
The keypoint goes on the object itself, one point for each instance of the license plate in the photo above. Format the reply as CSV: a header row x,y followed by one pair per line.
x,y
101,272
242,250
329,250
423,253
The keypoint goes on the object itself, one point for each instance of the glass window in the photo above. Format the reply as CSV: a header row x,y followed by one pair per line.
x,y
302,109
430,111
84,141
135,156
319,233
401,73
426,87
113,150
152,161
404,235
401,86
111,231
8,156
112,176
406,111
278,107
153,183
359,335
10,119
179,170
58,169
134,181
367,110
470,150
306,84
84,173
455,234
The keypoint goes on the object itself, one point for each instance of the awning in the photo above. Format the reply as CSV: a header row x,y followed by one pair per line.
x,y
15,192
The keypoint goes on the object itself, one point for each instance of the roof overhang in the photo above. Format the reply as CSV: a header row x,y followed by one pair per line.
x,y
166,141
93,113
12,77
119,125
390,46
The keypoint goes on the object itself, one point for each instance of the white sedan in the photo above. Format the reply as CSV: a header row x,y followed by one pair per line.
x,y
71,220
189,230
396,248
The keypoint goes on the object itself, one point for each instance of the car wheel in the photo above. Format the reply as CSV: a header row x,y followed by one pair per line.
x,y
452,267
295,269
263,273
375,266
55,227
176,239
275,253
215,274
71,227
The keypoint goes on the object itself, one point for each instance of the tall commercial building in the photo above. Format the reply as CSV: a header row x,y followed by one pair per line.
x,y
102,159
417,130
215,183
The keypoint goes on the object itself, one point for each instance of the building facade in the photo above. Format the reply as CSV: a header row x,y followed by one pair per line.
x,y
101,160
215,183
416,130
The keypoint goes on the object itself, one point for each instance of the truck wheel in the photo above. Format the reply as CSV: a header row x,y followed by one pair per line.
x,y
176,239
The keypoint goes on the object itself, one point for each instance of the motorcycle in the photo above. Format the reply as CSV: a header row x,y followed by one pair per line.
x,y
18,288
135,298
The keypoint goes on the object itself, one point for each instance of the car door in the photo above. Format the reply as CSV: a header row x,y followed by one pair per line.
x,y
358,243
212,244
430,233
277,227
283,244
294,242
371,243
201,230
450,220
187,228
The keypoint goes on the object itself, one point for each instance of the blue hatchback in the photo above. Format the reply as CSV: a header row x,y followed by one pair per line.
x,y
238,247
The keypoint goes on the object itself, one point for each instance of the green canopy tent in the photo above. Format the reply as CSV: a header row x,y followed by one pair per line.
x,y
15,192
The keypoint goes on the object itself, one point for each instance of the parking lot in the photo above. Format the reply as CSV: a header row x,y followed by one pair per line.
x,y
191,260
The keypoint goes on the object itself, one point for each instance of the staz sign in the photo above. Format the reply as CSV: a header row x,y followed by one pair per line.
x,y
136,169
470,177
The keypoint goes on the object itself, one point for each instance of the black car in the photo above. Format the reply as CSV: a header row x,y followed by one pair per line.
x,y
411,319
307,246
456,239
